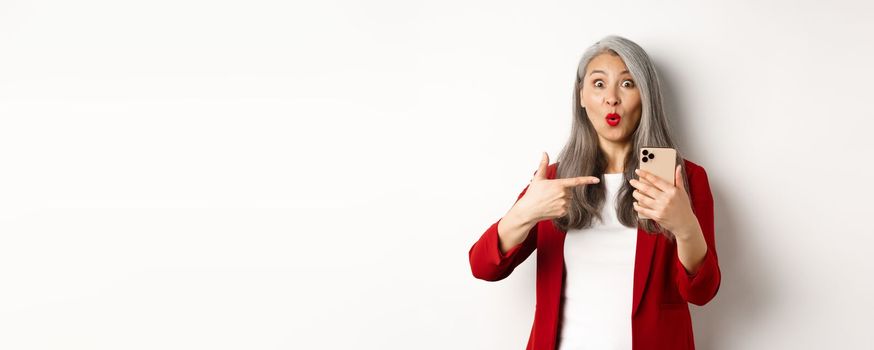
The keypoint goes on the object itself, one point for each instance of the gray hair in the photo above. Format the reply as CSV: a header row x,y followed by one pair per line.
x,y
582,155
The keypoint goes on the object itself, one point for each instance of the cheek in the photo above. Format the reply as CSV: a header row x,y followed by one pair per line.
x,y
589,96
635,98
637,105
592,119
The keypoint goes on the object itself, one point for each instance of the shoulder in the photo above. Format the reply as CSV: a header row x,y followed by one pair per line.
x,y
699,184
694,171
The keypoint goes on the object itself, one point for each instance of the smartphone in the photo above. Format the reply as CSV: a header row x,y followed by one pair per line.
x,y
660,161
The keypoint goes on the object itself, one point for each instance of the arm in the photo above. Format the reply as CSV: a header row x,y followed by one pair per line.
x,y
691,247
497,253
698,284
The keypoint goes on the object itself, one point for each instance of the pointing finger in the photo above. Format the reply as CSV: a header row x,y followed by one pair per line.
x,y
578,181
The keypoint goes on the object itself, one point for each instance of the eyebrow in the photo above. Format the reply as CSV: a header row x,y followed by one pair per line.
x,y
602,72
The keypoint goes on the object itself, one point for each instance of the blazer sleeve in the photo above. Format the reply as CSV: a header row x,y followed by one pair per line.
x,y
700,287
486,260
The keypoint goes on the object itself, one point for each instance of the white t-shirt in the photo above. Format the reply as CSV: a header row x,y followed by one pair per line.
x,y
600,277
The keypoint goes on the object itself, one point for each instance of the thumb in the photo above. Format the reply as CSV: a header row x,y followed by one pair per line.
x,y
541,170
678,179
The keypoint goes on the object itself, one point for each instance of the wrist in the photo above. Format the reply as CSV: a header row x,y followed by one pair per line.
x,y
690,231
521,216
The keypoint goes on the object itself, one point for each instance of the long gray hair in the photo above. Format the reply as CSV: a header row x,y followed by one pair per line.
x,y
582,155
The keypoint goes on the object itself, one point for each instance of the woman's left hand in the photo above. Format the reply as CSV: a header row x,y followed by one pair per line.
x,y
663,202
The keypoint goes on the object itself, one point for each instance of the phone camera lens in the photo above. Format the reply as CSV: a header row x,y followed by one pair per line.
x,y
645,159
651,156
645,152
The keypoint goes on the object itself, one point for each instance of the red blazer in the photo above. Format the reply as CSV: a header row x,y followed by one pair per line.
x,y
662,289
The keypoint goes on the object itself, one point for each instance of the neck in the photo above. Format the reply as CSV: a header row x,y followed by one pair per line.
x,y
616,153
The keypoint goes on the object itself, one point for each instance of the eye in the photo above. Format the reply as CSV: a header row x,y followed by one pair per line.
x,y
599,81
630,83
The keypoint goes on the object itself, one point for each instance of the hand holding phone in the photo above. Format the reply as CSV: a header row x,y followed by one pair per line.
x,y
660,161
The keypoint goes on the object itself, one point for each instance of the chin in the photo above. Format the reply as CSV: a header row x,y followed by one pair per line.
x,y
617,136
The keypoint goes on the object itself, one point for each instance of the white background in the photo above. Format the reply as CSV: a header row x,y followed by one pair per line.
x,y
276,175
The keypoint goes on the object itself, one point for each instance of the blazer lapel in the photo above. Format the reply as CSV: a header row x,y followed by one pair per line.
x,y
642,261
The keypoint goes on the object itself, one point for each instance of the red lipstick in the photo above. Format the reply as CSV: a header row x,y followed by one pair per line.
x,y
613,119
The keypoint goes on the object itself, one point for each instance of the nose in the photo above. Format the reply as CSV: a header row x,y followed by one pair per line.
x,y
611,99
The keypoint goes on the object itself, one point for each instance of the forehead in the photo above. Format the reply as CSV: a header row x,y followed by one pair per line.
x,y
606,63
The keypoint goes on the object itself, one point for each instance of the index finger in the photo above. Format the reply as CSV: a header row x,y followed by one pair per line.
x,y
653,179
577,181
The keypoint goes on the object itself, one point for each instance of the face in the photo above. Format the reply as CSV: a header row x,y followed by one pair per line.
x,y
609,88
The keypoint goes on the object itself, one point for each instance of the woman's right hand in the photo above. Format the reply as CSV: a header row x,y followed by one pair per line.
x,y
548,199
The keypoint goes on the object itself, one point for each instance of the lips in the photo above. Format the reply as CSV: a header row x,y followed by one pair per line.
x,y
613,119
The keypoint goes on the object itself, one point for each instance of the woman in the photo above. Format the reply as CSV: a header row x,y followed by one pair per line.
x,y
606,279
